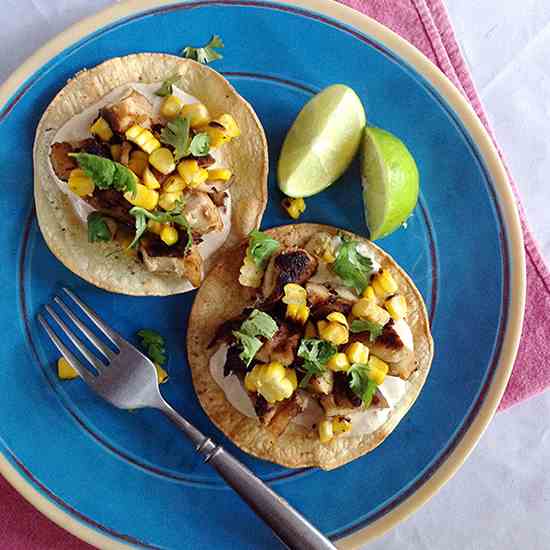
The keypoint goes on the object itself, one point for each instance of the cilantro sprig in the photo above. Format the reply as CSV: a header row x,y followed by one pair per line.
x,y
205,54
261,247
316,354
257,324
360,383
363,325
167,86
98,230
177,134
353,268
153,345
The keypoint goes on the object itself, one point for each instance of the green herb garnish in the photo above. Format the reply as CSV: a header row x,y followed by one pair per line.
x,y
351,267
106,173
360,383
152,344
316,354
176,134
167,85
200,145
207,53
362,325
261,247
257,324
98,230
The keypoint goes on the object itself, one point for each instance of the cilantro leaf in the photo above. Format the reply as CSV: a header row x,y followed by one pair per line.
x,y
316,354
153,345
261,247
141,226
106,173
363,325
360,384
200,145
351,267
167,86
205,54
250,345
176,134
257,324
98,230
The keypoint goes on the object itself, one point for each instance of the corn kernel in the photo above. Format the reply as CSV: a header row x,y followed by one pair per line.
x,y
163,160
232,130
250,274
154,227
397,307
369,294
64,370
162,375
138,162
297,313
326,432
338,317
192,174
294,294
357,352
169,235
167,201
173,184
341,425
333,332
365,309
273,381
311,331
171,106
339,363
384,284
115,152
149,179
219,174
216,135
197,113
377,370
144,197
294,207
291,375
143,138
101,129
328,257
80,184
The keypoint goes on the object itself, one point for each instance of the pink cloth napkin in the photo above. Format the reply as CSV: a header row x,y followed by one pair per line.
x,y
426,25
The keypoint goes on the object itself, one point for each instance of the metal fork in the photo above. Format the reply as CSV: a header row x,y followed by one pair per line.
x,y
128,380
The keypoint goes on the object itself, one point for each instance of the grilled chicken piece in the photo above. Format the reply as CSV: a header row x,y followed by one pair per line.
x,y
289,266
334,304
342,400
62,163
188,266
112,203
134,108
404,368
233,363
265,411
125,149
92,146
285,412
322,383
388,346
201,213
317,294
282,347
218,198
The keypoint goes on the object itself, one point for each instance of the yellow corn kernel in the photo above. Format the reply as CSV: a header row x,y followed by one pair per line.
x,y
64,370
384,284
338,317
216,135
341,425
311,331
192,174
167,201
397,307
369,294
169,235
358,353
219,174
294,294
297,313
154,227
80,184
333,332
365,309
173,184
339,362
273,381
294,207
250,274
163,160
232,130
291,375
328,257
162,375
326,431
171,107
149,179
197,113
377,370
101,129
144,197
115,152
143,138
138,162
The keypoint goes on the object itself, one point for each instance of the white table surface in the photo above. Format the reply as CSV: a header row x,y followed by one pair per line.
x,y
500,499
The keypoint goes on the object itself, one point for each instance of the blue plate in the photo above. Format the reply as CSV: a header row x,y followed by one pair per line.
x,y
120,477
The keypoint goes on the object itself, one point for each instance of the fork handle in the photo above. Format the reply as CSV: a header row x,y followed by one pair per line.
x,y
291,527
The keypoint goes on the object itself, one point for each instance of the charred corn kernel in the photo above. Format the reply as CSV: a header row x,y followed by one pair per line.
x,y
297,313
169,235
64,370
167,201
311,331
397,307
339,363
163,160
143,138
369,294
80,184
216,135
219,174
101,129
272,381
232,130
192,173
197,113
138,162
358,353
341,425
171,107
144,197
173,184
328,257
294,207
115,152
365,309
338,317
384,284
332,332
149,179
154,227
294,294
377,370
250,274
326,431
162,375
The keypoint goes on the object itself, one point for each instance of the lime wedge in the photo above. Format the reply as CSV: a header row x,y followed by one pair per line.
x,y
321,142
390,182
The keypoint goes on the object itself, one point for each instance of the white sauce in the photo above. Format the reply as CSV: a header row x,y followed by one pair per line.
x,y
77,128
404,332
366,252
